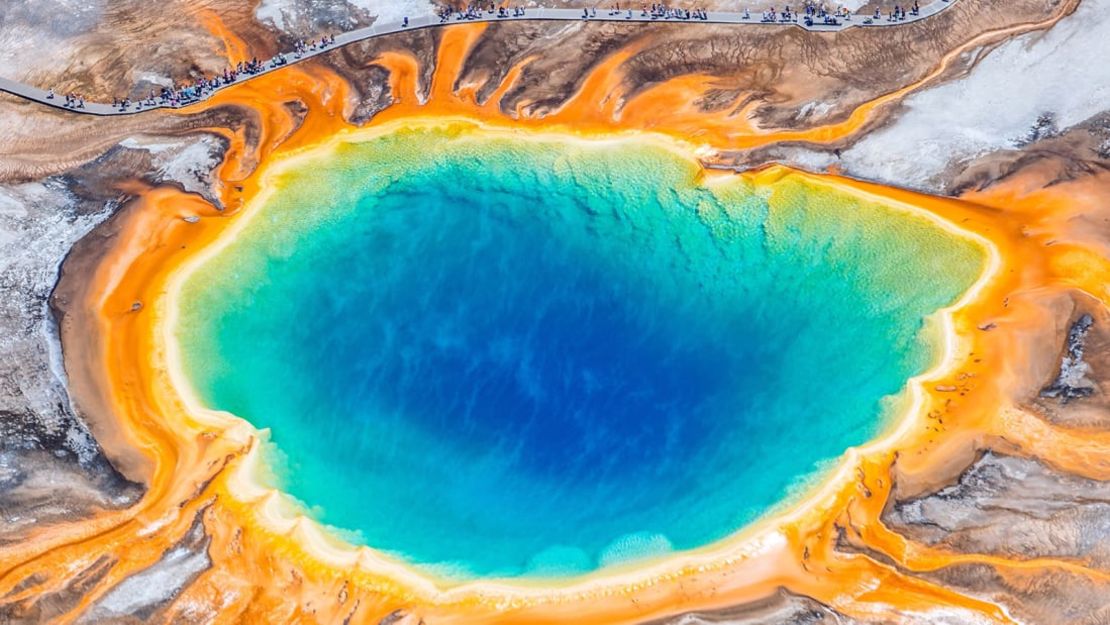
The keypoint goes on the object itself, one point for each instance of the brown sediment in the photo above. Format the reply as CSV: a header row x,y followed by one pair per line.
x,y
268,565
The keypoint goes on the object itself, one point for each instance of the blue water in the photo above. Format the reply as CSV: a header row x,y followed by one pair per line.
x,y
497,358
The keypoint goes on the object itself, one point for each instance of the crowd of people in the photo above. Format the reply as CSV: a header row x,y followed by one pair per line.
x,y
474,12
897,14
655,12
813,13
189,92
73,100
810,14
193,91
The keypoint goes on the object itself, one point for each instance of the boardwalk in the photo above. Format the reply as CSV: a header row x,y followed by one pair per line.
x,y
532,14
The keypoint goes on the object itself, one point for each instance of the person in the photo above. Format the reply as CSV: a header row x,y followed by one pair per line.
x,y
405,22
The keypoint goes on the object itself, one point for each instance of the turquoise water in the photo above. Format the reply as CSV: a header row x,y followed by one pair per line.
x,y
499,357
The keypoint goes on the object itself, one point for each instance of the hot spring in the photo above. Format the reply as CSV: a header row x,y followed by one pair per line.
x,y
498,355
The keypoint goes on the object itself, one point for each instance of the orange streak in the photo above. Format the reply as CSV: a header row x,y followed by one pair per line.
x,y
598,98
403,74
454,46
235,48
493,103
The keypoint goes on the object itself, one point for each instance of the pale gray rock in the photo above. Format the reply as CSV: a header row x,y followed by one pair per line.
x,y
39,222
1073,381
136,598
1012,507
783,607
